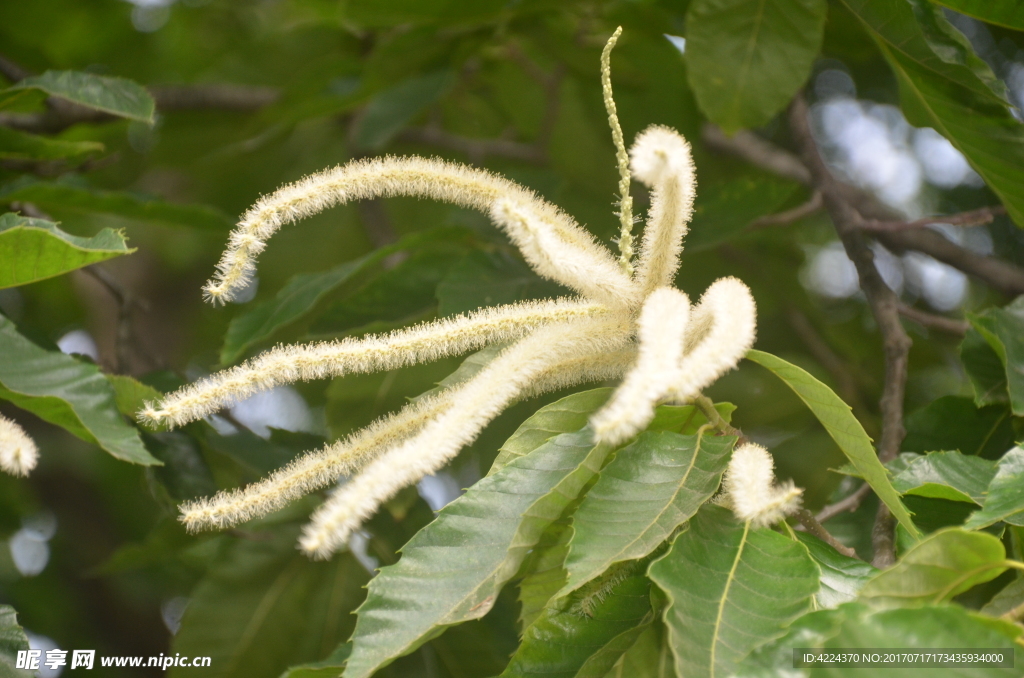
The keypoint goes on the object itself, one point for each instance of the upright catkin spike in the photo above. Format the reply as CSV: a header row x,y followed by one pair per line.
x,y
625,199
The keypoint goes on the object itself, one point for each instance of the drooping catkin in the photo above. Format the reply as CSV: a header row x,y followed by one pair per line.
x,y
751,491
422,343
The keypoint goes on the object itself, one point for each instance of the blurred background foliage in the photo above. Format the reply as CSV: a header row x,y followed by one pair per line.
x,y
251,94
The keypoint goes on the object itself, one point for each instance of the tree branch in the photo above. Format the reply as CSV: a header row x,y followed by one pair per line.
x,y
814,204
849,503
978,217
935,322
808,520
884,304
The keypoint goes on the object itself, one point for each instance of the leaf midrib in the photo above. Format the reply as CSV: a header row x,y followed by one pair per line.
x,y
725,596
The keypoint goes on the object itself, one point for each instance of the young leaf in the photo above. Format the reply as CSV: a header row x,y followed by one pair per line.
x,y
35,249
651,487
262,607
942,565
72,195
71,394
15,145
454,568
985,370
587,633
945,85
947,475
730,589
1003,330
1008,14
844,428
12,640
116,96
746,58
842,577
1004,498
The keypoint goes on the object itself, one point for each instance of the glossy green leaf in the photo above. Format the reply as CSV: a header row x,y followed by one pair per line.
x,y
116,96
1003,331
304,295
1008,14
391,110
67,392
651,487
945,85
453,569
1009,601
842,577
587,633
730,589
263,606
746,58
72,195
955,423
1004,497
940,566
35,249
12,639
946,475
15,145
844,428
489,279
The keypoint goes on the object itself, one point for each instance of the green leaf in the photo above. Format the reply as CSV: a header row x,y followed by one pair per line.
x,y
391,110
945,85
12,639
1008,14
1004,498
651,487
453,569
71,194
947,475
116,96
586,634
305,294
940,566
64,391
381,13
844,428
955,423
262,607
854,626
131,395
545,570
842,577
730,589
746,58
1008,601
35,249
15,145
1003,331
331,667
985,370
489,279
724,210
650,657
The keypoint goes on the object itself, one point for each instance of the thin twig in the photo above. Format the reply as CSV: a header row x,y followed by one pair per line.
x,y
935,322
124,337
758,152
884,304
849,503
707,408
978,217
783,218
808,520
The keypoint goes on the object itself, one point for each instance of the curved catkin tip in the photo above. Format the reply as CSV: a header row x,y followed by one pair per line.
x,y
751,491
659,152
18,452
